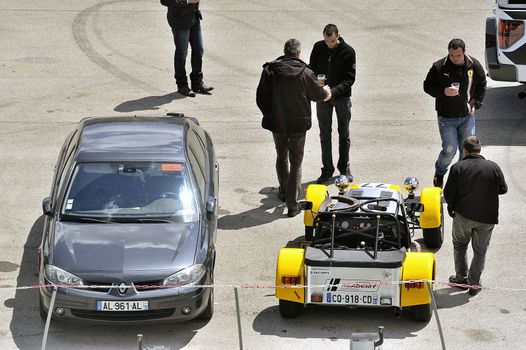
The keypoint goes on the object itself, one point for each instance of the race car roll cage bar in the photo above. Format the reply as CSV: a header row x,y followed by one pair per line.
x,y
377,212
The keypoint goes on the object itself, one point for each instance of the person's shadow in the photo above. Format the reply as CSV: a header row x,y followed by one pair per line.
x,y
148,103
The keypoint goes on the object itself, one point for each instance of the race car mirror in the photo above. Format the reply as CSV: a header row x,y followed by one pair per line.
x,y
305,205
46,207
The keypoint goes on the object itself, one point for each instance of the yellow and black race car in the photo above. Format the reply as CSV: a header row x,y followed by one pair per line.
x,y
359,249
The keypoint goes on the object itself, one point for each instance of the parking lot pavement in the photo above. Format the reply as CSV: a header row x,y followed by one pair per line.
x,y
61,61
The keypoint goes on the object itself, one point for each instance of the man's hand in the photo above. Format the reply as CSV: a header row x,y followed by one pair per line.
x,y
451,91
329,93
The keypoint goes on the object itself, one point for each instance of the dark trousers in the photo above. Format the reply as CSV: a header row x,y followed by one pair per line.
x,y
289,148
342,105
181,39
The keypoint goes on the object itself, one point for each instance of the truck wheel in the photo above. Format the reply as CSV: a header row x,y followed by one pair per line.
x,y
422,313
309,231
434,237
289,309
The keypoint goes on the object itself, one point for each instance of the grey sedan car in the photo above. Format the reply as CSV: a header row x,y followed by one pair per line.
x,y
130,224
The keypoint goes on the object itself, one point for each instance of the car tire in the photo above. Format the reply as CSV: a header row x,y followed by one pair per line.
x,y
209,311
289,309
42,310
309,232
422,313
434,237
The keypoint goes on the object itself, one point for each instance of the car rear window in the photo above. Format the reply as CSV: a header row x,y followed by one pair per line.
x,y
130,190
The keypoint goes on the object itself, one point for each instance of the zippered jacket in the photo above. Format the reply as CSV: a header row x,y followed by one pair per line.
x,y
338,64
472,79
285,90
182,15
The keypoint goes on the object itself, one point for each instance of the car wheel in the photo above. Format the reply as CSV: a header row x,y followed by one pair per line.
x,y
289,309
209,311
434,237
309,231
422,313
43,312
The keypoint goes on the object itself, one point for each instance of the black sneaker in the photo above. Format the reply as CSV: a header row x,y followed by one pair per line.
x,y
202,89
458,282
438,180
323,179
474,290
293,212
185,91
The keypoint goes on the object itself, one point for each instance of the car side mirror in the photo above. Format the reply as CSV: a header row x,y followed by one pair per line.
x,y
46,207
211,204
305,205
417,207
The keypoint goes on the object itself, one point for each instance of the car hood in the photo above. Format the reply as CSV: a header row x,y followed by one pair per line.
x,y
148,250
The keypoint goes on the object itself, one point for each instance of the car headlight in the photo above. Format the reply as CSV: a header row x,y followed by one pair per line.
x,y
189,275
56,275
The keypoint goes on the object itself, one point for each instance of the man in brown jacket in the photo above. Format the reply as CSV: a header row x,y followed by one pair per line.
x,y
285,90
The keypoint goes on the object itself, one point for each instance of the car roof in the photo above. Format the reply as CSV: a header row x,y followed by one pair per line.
x,y
132,139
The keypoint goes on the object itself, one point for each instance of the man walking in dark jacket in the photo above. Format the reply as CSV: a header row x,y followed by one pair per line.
x,y
472,194
336,60
185,18
286,87
458,84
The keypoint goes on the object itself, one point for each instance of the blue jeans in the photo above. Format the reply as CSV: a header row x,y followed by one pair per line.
x,y
452,132
181,39
342,105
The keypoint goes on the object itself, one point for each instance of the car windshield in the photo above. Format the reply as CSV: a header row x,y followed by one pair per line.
x,y
130,191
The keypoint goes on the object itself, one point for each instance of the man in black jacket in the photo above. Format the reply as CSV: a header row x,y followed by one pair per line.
x,y
472,194
458,84
286,87
184,18
335,59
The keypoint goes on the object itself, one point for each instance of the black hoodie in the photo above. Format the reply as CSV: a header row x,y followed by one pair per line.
x,y
286,87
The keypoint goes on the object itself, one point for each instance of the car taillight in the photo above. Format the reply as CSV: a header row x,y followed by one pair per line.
x,y
294,280
510,32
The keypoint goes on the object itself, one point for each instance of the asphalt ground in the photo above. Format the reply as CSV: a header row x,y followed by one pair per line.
x,y
61,61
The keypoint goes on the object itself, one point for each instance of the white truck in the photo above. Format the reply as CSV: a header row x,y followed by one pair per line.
x,y
506,42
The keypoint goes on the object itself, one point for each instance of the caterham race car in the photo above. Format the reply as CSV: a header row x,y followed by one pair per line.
x,y
358,249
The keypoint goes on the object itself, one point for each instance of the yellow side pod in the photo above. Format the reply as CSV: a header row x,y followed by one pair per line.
x,y
289,268
315,194
431,198
417,266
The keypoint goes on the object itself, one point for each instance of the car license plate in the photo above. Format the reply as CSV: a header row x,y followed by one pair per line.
x,y
135,305
350,298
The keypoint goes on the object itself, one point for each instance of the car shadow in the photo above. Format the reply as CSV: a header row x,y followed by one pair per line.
x,y
336,323
147,103
27,328
502,119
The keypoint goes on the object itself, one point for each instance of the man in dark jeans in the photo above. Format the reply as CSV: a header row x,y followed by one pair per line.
x,y
184,18
336,60
285,90
472,195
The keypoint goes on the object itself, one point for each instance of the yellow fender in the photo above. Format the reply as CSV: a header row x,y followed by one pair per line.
x,y
290,271
432,201
315,194
417,266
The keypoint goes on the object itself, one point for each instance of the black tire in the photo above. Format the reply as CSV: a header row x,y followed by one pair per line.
x,y
289,309
422,313
42,310
209,311
434,237
309,232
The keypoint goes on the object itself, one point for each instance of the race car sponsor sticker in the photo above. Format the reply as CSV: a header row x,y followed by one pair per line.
x,y
318,271
171,167
69,204
349,285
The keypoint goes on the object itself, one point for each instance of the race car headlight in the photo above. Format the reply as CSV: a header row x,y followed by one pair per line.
x,y
56,275
189,275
